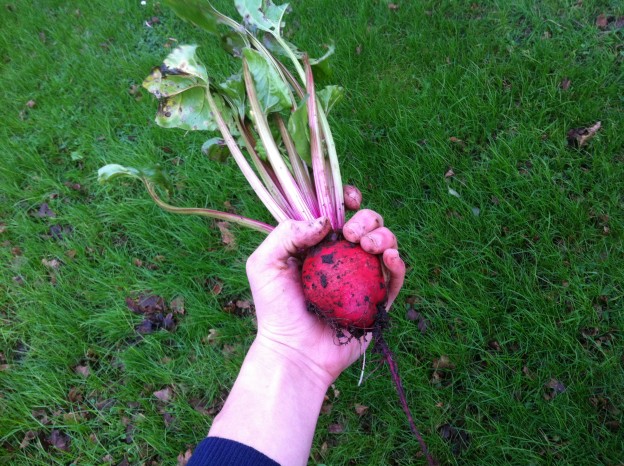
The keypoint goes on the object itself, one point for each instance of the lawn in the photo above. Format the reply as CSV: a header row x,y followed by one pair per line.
x,y
456,127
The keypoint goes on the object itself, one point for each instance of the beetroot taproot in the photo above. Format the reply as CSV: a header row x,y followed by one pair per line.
x,y
344,284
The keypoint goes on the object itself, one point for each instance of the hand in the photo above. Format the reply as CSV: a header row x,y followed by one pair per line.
x,y
284,323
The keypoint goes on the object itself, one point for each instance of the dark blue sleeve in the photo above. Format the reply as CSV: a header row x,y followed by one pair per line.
x,y
216,451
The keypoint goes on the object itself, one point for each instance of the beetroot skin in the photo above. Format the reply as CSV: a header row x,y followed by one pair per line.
x,y
344,284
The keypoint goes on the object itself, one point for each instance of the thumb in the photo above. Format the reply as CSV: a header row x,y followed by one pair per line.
x,y
288,239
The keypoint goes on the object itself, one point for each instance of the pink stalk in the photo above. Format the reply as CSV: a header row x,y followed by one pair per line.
x,y
323,192
268,178
286,181
300,169
228,217
262,193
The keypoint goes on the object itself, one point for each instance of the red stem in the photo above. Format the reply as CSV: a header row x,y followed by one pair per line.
x,y
382,346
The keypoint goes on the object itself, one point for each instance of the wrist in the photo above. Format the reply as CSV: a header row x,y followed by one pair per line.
x,y
293,361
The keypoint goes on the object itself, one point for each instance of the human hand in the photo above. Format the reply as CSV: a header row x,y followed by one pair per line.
x,y
285,326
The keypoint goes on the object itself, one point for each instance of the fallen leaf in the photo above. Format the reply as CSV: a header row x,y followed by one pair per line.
x,y
212,336
556,387
336,428
107,459
169,419
578,137
457,141
177,305
74,395
565,84
145,327
164,395
184,458
3,227
450,173
443,362
360,410
58,232
227,237
243,304
326,407
454,193
28,437
393,6
458,438
59,440
82,370
602,21
44,211
358,50
52,264
105,404
31,104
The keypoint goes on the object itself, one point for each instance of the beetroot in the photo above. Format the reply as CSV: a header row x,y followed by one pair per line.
x,y
344,284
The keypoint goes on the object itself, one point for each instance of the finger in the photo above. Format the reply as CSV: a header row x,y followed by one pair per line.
x,y
377,241
287,239
396,268
352,197
363,222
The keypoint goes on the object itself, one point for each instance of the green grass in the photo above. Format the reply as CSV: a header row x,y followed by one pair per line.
x,y
509,294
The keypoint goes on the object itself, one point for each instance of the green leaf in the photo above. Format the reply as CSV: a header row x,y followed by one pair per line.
x,y
154,175
300,131
183,61
198,12
234,89
322,66
262,14
330,96
187,110
273,93
215,149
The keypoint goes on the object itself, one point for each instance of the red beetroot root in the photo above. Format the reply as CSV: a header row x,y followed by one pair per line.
x,y
344,283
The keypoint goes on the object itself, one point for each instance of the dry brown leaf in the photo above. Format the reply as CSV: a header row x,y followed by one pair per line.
x,y
82,370
393,6
449,174
227,237
360,410
336,428
164,395
28,437
565,84
602,21
184,458
578,137
177,305
443,362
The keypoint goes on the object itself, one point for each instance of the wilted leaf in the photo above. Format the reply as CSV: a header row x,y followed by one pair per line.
x,y
602,21
164,395
450,173
393,6
212,336
31,104
59,232
145,327
74,395
578,137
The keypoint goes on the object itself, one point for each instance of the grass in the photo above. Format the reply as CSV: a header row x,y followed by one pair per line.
x,y
527,291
